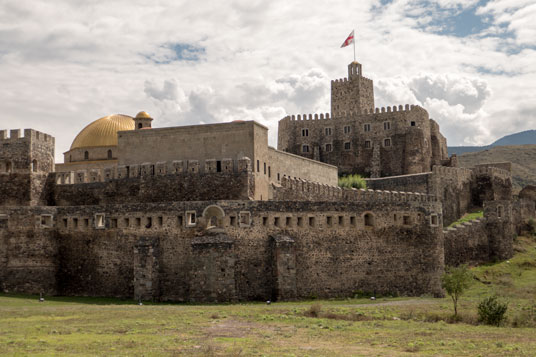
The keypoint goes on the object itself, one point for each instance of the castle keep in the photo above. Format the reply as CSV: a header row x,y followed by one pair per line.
x,y
213,213
358,138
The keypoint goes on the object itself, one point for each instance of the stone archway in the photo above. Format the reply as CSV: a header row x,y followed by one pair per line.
x,y
213,216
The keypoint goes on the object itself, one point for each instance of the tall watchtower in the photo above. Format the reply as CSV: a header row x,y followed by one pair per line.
x,y
352,94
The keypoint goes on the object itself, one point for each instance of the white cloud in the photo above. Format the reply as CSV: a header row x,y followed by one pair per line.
x,y
66,63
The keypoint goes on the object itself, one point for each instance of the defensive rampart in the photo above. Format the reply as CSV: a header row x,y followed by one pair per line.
x,y
251,250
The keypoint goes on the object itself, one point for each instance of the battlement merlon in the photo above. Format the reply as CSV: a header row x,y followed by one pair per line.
x,y
29,135
345,115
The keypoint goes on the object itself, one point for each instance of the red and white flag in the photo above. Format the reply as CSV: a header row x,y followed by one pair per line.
x,y
349,40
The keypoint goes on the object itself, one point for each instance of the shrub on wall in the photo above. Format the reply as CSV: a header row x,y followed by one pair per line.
x,y
352,181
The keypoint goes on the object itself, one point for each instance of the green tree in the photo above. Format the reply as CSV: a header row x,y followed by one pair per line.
x,y
456,281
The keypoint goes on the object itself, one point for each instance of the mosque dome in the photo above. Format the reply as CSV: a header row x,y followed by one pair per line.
x,y
142,115
103,131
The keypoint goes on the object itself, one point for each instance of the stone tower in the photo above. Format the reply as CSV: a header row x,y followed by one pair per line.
x,y
352,94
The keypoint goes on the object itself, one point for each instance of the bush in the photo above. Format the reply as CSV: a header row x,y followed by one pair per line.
x,y
532,226
352,181
491,311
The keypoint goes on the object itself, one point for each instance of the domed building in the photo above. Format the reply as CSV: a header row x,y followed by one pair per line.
x,y
96,145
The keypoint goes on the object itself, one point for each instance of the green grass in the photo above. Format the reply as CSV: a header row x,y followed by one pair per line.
x,y
387,326
468,217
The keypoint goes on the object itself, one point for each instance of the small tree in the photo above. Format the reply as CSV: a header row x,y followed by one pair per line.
x,y
455,281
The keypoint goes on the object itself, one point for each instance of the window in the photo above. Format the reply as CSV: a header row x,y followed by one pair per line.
x,y
258,166
86,222
34,165
368,219
288,221
65,224
179,221
244,219
138,222
75,222
140,125
269,171
386,125
278,177
434,221
341,220
86,155
352,220
218,166
160,221
99,221
329,148
46,221
367,144
109,154
347,129
387,142
276,221
113,223
366,127
412,123
305,132
265,168
305,148
406,220
191,220
300,221
232,220
347,145
126,222
264,221
311,221
328,131
499,211
329,221
8,166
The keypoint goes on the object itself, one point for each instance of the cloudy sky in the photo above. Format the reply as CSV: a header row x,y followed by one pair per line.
x,y
63,64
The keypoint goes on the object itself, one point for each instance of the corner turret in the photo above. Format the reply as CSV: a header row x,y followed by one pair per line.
x,y
142,120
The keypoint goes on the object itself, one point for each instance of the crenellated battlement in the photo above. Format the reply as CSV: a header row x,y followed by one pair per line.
x,y
316,191
345,80
493,172
148,169
17,135
348,115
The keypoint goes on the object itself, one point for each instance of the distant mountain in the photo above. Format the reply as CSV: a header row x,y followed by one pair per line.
x,y
522,138
522,157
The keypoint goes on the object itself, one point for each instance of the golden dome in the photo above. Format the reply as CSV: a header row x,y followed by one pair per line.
x,y
141,115
103,131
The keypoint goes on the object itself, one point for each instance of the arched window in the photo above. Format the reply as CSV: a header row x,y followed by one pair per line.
x,y
8,166
86,155
369,220
34,165
140,125
109,154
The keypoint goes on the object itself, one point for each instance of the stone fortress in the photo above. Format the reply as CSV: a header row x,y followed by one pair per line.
x,y
213,213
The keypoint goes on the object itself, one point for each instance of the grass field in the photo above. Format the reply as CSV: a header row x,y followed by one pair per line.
x,y
351,327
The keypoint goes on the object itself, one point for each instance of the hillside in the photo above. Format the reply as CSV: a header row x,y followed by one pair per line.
x,y
522,157
527,137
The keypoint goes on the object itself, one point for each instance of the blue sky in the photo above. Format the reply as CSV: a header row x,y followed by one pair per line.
x,y
63,64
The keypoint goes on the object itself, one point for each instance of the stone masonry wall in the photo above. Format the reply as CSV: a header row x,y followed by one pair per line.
x,y
339,247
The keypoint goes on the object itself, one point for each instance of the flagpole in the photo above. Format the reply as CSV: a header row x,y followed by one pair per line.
x,y
354,45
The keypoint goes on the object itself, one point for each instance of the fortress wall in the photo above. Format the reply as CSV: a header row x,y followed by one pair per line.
x,y
27,255
523,211
181,186
453,186
491,183
467,243
161,255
